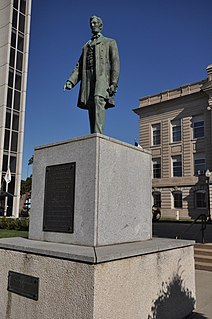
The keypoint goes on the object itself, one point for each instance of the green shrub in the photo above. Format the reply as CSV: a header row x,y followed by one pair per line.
x,y
14,223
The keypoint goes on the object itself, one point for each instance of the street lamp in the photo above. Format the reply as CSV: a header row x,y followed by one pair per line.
x,y
208,175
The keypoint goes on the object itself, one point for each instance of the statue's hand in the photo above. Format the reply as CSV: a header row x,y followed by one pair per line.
x,y
112,89
67,86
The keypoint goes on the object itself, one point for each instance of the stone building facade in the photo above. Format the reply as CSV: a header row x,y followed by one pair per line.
x,y
14,50
176,125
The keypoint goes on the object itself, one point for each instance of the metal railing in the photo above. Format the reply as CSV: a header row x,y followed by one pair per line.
x,y
203,219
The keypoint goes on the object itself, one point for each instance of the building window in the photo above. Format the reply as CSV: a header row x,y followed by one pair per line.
x,y
176,131
20,43
198,126
12,57
11,77
21,22
15,18
199,164
23,6
156,167
156,134
156,199
13,38
19,61
177,165
178,201
18,81
200,197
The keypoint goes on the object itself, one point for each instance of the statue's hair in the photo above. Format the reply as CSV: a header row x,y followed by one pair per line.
x,y
98,19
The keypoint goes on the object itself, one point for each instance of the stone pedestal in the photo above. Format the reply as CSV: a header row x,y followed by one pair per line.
x,y
112,191
105,264
149,279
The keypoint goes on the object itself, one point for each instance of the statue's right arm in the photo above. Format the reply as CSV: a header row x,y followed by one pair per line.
x,y
75,76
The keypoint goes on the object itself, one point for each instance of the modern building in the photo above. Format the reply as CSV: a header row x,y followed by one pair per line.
x,y
14,51
176,125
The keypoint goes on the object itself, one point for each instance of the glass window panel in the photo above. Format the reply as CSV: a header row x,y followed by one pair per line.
x,y
157,199
6,139
156,168
15,4
176,131
201,199
21,23
198,128
17,100
19,61
4,165
8,118
199,166
13,39
12,57
156,134
15,122
14,142
23,6
15,18
11,75
18,81
177,165
20,43
178,202
9,97
12,164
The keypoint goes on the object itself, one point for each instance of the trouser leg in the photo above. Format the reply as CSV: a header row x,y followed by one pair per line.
x,y
97,115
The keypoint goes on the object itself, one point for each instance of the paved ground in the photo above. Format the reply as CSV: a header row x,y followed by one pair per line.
x,y
203,278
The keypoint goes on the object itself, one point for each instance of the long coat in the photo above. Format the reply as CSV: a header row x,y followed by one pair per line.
x,y
107,68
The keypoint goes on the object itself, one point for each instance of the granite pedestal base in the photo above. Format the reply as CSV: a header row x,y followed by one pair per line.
x,y
112,191
146,280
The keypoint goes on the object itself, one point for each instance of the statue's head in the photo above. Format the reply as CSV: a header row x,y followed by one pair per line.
x,y
96,24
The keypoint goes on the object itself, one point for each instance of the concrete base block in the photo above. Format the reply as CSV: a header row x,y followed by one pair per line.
x,y
156,283
112,202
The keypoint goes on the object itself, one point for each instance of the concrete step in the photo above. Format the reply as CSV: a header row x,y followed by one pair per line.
x,y
202,252
207,246
203,266
203,256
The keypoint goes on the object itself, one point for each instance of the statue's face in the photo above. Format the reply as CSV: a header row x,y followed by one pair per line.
x,y
95,26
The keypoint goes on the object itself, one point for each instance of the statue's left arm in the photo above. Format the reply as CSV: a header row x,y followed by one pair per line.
x,y
114,67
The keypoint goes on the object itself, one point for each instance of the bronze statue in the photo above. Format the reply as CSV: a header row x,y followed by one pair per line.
x,y
98,73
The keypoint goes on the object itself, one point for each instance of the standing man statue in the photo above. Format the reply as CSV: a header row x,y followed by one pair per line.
x,y
98,73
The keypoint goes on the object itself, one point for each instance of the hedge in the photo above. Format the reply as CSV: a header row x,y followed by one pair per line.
x,y
14,223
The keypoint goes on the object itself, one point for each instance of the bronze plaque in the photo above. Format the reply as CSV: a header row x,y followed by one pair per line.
x,y
59,198
24,285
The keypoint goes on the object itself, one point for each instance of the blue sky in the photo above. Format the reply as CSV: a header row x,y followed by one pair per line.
x,y
162,44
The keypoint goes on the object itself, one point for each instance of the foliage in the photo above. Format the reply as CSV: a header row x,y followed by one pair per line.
x,y
26,185
14,223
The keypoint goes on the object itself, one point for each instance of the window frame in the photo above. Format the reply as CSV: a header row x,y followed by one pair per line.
x,y
204,200
156,171
156,134
175,167
156,201
202,170
176,124
197,127
176,200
